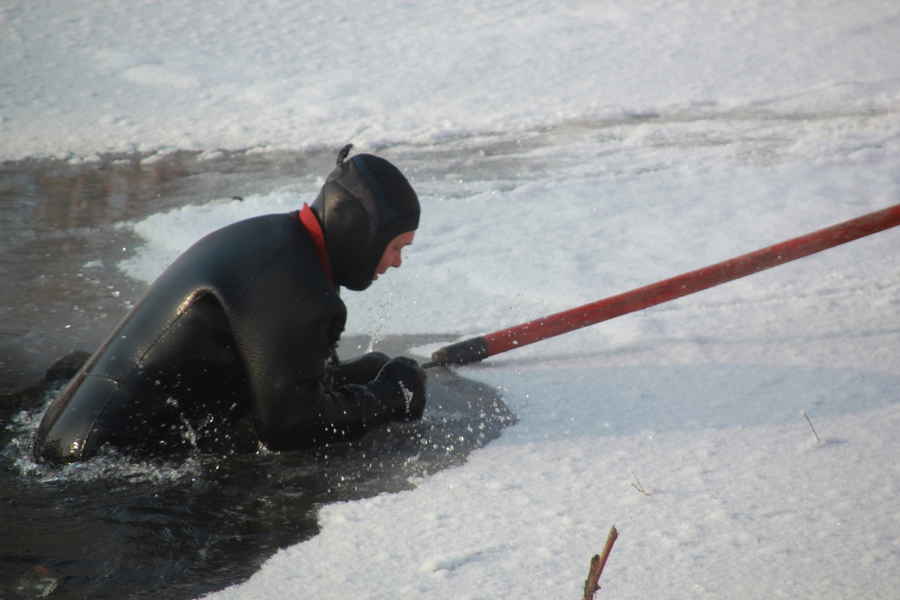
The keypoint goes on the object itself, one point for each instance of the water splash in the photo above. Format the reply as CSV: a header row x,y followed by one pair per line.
x,y
109,464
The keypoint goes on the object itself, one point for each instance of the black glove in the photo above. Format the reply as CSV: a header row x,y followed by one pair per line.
x,y
400,385
360,370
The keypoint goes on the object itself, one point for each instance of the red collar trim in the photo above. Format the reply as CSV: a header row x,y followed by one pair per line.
x,y
311,224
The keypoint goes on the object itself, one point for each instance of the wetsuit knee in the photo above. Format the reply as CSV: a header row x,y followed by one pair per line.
x,y
76,429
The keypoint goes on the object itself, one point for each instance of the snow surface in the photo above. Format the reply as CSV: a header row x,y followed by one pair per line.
x,y
563,152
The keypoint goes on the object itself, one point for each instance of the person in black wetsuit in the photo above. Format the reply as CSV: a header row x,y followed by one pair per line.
x,y
243,328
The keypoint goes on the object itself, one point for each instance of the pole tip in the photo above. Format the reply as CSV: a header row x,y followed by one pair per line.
x,y
461,353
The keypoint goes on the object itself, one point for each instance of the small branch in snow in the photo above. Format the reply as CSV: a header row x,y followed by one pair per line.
x,y
592,583
808,420
636,484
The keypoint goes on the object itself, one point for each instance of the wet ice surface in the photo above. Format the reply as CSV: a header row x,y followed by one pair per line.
x,y
115,527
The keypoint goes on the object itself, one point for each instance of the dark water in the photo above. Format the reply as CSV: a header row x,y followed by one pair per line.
x,y
116,528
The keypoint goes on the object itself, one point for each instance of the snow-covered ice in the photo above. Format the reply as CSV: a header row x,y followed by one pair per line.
x,y
563,152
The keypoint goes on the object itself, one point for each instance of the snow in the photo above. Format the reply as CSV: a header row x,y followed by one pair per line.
x,y
563,152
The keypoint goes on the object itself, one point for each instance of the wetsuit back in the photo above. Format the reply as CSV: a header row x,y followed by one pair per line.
x,y
244,320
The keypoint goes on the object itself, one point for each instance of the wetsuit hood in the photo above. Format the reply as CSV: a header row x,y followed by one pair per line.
x,y
364,204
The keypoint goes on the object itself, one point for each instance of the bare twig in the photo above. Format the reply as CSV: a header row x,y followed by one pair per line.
x,y
636,484
808,420
592,583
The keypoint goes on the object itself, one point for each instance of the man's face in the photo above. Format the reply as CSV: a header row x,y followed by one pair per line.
x,y
393,254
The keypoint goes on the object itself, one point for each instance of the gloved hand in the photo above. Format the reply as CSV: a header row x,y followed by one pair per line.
x,y
359,370
400,385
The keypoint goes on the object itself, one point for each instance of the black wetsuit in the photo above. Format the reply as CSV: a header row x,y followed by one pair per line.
x,y
243,326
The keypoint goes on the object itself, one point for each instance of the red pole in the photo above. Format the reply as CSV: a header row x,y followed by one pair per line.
x,y
478,348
